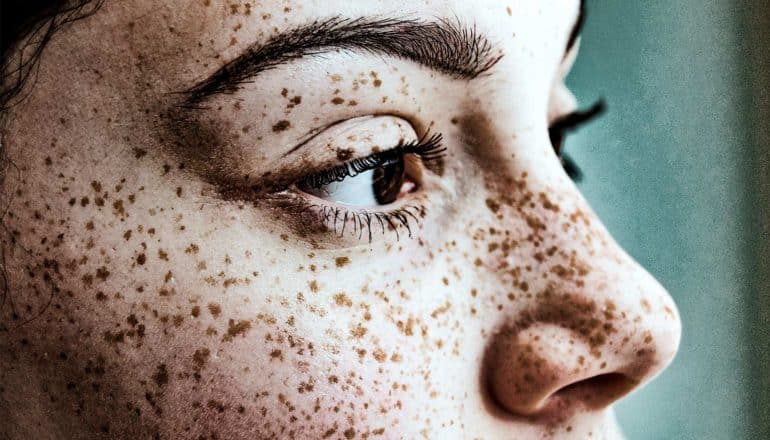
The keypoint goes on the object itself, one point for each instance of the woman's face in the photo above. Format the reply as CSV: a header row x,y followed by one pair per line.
x,y
237,219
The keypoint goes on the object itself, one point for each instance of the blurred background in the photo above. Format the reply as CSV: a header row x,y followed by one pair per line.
x,y
679,170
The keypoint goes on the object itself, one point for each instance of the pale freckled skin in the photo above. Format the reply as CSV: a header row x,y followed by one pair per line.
x,y
151,295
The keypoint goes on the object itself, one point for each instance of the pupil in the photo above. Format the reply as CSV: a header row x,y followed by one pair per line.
x,y
388,180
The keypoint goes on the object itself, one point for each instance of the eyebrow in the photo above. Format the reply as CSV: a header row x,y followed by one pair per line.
x,y
447,47
577,28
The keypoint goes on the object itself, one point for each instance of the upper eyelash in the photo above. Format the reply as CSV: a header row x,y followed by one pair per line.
x,y
427,148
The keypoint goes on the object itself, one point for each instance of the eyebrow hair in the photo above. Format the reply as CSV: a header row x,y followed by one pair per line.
x,y
577,28
447,47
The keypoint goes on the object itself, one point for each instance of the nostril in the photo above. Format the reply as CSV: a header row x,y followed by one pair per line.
x,y
596,392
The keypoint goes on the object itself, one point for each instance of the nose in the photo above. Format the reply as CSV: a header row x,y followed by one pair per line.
x,y
594,326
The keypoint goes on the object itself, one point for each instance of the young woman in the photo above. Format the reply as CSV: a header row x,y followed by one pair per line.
x,y
306,219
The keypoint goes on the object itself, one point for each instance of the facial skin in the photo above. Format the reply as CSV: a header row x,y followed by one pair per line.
x,y
156,287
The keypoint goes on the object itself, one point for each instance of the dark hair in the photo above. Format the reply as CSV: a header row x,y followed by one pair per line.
x,y
36,21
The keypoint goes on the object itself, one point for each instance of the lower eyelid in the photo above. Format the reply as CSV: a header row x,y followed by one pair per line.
x,y
314,219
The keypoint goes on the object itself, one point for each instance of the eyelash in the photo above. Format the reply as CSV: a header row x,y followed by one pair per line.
x,y
427,149
430,151
561,127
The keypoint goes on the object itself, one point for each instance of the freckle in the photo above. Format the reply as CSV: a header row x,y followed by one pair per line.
x,y
179,191
215,309
162,255
236,328
161,375
342,261
313,286
337,100
195,312
377,83
342,300
284,92
281,126
102,273
508,10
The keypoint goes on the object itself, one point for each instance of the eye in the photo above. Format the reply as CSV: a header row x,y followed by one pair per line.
x,y
384,191
377,180
561,127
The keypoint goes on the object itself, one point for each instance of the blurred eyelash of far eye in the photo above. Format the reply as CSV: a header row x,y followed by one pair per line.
x,y
560,128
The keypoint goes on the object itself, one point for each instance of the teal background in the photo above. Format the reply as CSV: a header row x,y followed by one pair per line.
x,y
679,171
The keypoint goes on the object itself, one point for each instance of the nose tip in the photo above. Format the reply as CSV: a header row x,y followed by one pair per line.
x,y
570,354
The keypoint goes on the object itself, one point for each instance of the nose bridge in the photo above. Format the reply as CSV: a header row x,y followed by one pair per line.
x,y
593,324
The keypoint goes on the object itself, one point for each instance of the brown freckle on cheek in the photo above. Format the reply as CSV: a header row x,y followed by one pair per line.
x,y
493,205
141,259
342,300
161,375
280,126
195,312
236,328
342,261
337,100
215,309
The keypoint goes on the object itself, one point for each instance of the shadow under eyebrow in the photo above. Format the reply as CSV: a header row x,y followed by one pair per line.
x,y
447,47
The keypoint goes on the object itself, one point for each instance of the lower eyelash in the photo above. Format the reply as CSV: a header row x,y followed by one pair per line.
x,y
369,222
360,223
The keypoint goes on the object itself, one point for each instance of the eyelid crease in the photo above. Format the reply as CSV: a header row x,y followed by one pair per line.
x,y
315,132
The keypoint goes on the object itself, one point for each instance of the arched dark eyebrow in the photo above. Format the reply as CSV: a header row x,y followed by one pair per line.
x,y
447,47
577,28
